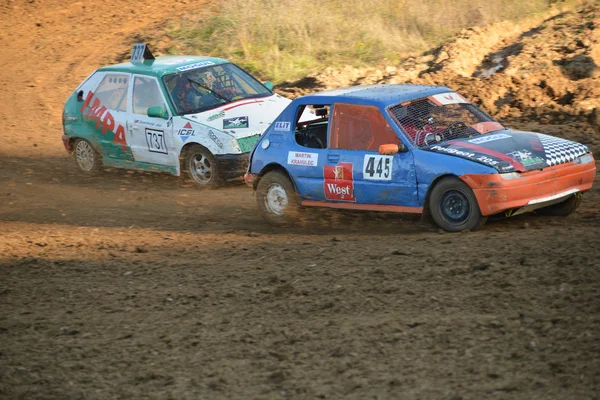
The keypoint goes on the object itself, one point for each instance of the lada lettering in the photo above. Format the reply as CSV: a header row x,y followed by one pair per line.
x,y
95,112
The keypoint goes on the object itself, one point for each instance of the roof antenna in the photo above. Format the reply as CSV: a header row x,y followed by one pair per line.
x,y
140,53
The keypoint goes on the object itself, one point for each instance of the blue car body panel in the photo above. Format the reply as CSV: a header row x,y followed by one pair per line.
x,y
412,171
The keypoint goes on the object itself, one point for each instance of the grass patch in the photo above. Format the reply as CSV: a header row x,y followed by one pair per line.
x,y
283,39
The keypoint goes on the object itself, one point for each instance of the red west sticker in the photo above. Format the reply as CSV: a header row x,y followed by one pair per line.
x,y
339,182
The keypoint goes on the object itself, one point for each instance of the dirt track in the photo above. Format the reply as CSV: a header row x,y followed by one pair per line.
x,y
135,285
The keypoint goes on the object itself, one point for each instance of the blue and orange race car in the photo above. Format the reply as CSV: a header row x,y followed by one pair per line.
x,y
412,149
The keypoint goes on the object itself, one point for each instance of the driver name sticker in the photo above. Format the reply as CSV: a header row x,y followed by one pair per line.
x,y
377,168
156,141
303,159
489,138
196,65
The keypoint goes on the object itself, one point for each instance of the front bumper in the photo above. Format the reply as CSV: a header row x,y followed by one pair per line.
x,y
534,189
67,143
232,165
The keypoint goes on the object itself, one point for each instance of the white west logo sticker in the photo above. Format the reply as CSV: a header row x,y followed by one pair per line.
x,y
304,159
377,168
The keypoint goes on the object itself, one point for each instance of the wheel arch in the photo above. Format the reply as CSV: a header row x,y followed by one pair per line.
x,y
273,167
437,179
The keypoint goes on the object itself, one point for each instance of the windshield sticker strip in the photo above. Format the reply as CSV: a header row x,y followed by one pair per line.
x,y
489,138
194,66
443,99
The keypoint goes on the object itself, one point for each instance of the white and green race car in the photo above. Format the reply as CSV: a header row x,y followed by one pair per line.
x,y
174,114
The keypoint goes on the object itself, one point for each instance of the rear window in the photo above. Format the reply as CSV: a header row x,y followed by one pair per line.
x,y
112,92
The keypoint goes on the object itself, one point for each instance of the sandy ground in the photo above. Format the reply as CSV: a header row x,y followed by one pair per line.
x,y
135,285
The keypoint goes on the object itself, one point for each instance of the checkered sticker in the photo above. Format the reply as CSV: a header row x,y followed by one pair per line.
x,y
560,151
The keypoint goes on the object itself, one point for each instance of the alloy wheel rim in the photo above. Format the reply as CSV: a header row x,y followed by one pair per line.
x,y
276,200
85,156
200,168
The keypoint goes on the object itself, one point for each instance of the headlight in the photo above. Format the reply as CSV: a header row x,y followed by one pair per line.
x,y
235,145
511,175
584,159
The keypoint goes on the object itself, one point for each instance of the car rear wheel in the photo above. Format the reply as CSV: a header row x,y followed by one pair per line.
x,y
453,206
201,167
562,209
277,199
87,158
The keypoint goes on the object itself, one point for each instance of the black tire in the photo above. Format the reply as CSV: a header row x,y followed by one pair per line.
x,y
201,167
453,206
277,199
562,209
86,157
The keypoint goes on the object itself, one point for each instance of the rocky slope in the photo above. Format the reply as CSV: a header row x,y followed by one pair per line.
x,y
544,71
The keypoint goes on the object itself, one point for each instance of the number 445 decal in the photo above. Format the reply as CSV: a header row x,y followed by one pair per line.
x,y
377,168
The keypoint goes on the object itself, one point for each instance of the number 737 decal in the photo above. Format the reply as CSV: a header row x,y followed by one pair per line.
x,y
377,168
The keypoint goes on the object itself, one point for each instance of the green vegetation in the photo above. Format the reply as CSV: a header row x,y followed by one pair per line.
x,y
287,39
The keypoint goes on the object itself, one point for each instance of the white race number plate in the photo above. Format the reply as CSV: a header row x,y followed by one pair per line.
x,y
377,168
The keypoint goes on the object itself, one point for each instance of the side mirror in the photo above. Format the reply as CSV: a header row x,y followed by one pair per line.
x,y
268,85
391,149
158,112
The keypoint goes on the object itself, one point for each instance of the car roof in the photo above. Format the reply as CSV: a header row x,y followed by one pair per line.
x,y
164,65
381,95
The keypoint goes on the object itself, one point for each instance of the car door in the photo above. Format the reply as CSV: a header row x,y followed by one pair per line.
x,y
105,112
150,138
355,172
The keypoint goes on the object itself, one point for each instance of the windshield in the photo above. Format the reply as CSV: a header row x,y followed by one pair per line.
x,y
205,88
440,118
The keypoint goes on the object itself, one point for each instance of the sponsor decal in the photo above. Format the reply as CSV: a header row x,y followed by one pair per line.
x,y
525,157
454,152
303,159
238,122
489,138
195,65
156,141
466,154
339,182
104,119
218,115
185,132
147,123
215,139
377,168
282,126
443,99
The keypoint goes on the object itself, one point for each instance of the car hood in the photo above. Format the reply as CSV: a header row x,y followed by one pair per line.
x,y
242,118
509,150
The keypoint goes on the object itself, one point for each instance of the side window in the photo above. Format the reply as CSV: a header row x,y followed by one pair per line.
x,y
358,127
312,130
146,94
112,92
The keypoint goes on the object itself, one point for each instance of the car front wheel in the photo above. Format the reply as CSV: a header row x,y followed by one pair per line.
x,y
201,167
87,158
277,199
453,206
